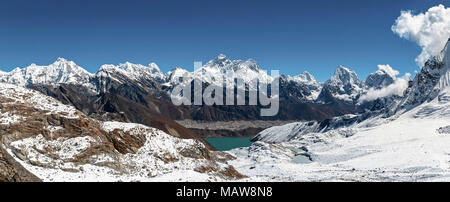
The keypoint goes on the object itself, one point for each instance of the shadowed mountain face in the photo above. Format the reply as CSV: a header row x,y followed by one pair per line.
x,y
140,94
149,88
115,107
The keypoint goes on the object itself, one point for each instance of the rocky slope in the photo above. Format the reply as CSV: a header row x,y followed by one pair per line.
x,y
43,139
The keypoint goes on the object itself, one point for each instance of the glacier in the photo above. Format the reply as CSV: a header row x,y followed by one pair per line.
x,y
406,140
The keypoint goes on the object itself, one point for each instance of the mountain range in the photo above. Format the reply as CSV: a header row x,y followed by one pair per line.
x,y
62,123
141,94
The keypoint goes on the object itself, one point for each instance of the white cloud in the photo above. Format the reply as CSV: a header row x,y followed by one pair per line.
x,y
397,88
388,69
430,30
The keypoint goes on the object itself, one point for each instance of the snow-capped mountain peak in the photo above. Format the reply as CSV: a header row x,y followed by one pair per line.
x,y
61,59
61,71
303,84
221,66
221,56
133,71
343,85
383,77
223,63
431,80
220,61
346,76
173,77
154,67
304,77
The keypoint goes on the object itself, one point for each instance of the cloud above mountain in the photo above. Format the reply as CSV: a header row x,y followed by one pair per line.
x,y
389,70
397,88
430,30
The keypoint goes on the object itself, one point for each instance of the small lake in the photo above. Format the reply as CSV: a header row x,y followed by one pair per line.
x,y
229,143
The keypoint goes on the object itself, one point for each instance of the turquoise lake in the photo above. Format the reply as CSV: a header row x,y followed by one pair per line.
x,y
228,143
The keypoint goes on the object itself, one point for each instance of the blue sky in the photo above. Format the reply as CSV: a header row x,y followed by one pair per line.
x,y
292,36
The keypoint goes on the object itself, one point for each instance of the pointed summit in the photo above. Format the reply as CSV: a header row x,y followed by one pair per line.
x,y
58,62
304,77
345,76
343,85
221,57
60,59
220,61
383,77
176,69
340,70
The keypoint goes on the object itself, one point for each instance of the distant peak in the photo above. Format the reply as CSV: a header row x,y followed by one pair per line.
x,y
388,70
221,57
345,75
343,70
340,67
154,66
308,76
306,73
176,69
19,69
60,59
304,77
220,61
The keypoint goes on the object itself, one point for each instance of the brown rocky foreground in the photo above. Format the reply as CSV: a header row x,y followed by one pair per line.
x,y
42,139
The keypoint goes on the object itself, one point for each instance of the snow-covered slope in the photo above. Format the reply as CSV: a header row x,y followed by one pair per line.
x,y
430,84
405,141
159,159
56,142
412,147
61,71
